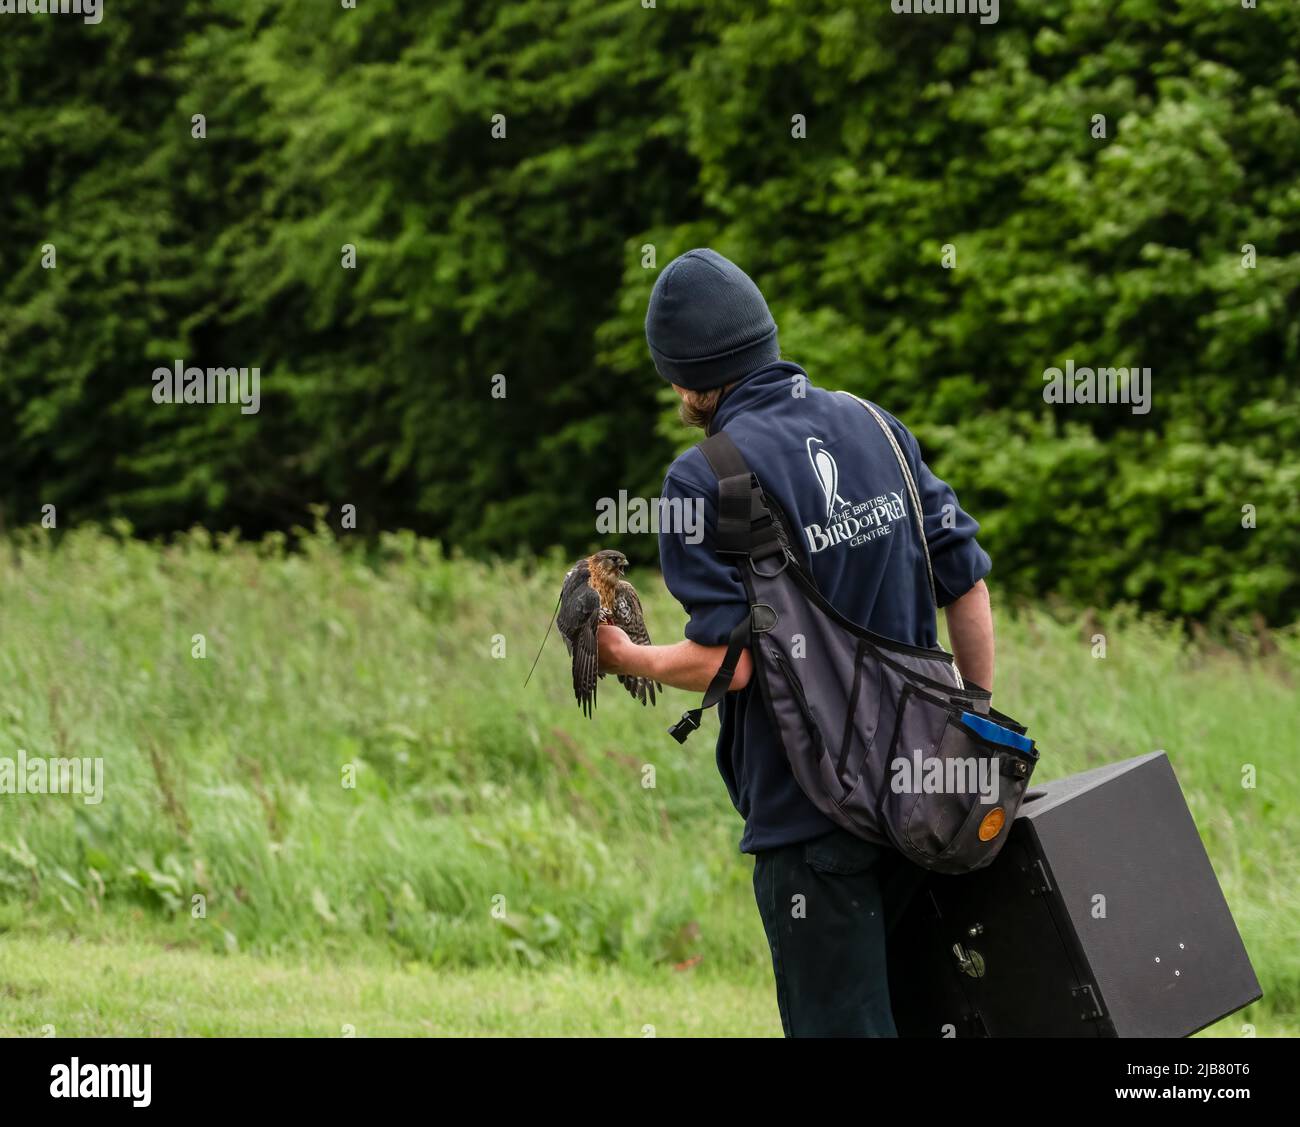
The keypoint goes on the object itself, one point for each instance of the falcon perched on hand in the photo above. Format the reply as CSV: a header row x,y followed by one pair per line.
x,y
595,592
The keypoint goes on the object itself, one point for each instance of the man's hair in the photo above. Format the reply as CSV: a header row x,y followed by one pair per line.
x,y
697,407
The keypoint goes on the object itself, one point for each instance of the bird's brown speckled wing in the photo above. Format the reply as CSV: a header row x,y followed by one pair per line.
x,y
628,615
576,620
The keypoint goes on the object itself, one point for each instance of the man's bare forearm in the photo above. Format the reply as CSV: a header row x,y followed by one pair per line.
x,y
691,666
970,632
683,665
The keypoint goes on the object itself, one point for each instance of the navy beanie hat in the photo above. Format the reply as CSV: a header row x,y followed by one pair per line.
x,y
707,324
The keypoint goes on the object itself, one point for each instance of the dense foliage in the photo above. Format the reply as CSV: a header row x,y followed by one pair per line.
x,y
670,126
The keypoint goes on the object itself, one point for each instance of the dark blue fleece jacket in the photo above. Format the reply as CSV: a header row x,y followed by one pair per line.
x,y
853,519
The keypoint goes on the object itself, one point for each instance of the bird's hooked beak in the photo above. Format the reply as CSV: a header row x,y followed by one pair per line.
x,y
621,564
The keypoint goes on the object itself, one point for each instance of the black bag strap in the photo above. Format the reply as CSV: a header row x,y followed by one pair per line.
x,y
745,528
723,456
721,682
745,524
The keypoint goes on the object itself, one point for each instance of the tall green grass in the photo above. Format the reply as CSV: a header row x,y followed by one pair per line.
x,y
491,825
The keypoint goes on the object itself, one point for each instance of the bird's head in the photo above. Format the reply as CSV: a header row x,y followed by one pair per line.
x,y
609,563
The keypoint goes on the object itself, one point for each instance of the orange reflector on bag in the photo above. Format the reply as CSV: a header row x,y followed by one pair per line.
x,y
992,824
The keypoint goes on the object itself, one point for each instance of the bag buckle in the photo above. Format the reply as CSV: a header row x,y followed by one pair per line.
x,y
785,562
684,727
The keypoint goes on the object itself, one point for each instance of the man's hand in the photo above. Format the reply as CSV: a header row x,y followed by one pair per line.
x,y
685,665
615,647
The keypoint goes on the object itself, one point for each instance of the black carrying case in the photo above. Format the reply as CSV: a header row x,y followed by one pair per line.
x,y
1101,917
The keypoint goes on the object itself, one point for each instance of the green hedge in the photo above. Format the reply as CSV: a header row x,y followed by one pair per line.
x,y
669,126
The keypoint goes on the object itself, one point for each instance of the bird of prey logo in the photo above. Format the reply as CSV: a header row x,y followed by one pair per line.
x,y
594,592
828,474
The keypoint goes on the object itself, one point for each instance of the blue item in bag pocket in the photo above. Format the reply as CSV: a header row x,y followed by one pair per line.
x,y
986,729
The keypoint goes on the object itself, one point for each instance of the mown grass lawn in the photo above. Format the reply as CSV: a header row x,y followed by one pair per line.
x,y
57,987
123,989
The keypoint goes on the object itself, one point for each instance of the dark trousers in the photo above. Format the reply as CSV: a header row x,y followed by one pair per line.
x,y
829,906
